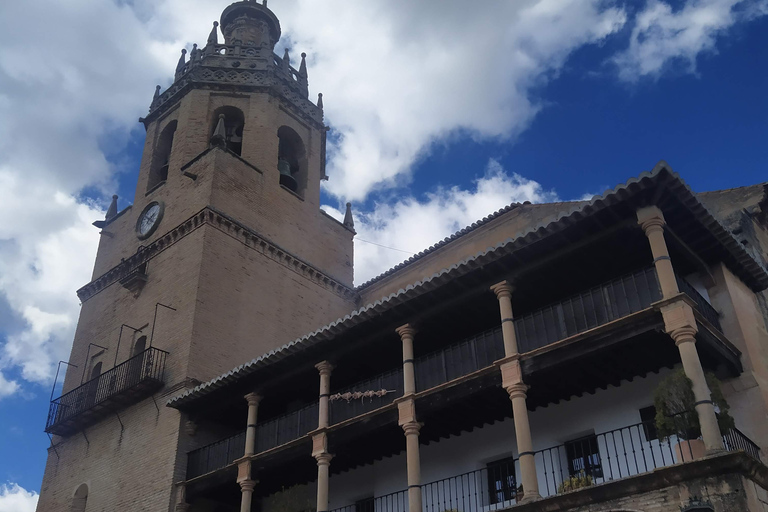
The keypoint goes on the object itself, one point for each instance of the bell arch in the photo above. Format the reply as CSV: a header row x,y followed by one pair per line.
x,y
292,160
80,499
234,123
158,172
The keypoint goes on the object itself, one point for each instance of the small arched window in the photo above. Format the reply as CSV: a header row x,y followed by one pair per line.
x,y
158,172
292,160
234,123
96,370
80,499
140,346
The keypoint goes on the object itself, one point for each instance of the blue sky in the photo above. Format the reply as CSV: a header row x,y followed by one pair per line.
x,y
584,111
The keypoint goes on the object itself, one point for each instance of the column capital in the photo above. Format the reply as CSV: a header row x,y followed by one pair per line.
x,y
519,390
253,398
503,290
247,485
324,367
323,459
651,219
406,331
412,428
684,335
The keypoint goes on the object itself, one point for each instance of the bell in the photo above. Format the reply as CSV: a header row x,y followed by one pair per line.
x,y
286,178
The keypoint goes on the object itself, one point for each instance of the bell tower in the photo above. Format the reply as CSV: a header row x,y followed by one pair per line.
x,y
223,256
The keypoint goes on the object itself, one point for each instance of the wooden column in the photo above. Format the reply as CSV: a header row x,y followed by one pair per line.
x,y
406,408
512,380
250,428
320,439
680,324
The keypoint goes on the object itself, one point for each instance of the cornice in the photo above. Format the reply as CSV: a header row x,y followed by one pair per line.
x,y
231,227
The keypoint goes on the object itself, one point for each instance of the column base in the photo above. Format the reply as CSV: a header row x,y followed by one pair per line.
x,y
530,498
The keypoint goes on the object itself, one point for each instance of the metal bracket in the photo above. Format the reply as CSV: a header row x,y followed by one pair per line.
x,y
53,445
154,321
156,406
53,389
86,438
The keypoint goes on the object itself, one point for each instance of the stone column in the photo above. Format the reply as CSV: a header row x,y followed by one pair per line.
x,y
320,439
323,458
680,324
651,219
407,414
246,487
686,343
325,369
512,380
181,498
503,291
406,333
250,428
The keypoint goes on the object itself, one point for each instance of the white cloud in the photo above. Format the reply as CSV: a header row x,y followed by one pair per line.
x,y
411,225
17,499
662,35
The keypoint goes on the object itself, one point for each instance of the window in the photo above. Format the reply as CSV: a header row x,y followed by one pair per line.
x,y
158,172
584,457
140,346
80,499
648,419
502,485
234,124
291,160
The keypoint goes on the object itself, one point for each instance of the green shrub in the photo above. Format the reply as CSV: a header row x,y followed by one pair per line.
x,y
575,482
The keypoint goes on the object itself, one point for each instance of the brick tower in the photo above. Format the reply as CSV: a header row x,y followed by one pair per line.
x,y
224,255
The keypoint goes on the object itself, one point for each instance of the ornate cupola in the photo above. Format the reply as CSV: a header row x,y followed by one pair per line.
x,y
249,23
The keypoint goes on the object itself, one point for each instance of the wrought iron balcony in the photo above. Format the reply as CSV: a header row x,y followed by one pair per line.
x,y
126,383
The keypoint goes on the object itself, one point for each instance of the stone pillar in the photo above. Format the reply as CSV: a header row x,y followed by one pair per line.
x,y
325,369
651,219
181,499
680,324
406,333
250,428
407,413
503,291
246,487
323,458
512,380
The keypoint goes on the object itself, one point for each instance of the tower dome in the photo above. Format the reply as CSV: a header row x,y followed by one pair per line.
x,y
250,23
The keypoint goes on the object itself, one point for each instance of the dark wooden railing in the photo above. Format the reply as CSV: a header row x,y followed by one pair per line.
x,y
459,359
215,456
704,307
128,382
587,310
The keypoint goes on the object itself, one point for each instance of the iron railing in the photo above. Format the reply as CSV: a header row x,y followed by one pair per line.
x,y
215,456
391,381
141,373
394,502
459,359
704,307
735,440
587,310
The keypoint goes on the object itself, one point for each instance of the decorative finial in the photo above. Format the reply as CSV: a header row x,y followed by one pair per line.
x,y
220,133
303,67
286,62
213,38
348,221
265,3
112,210
182,61
320,100
193,54
157,94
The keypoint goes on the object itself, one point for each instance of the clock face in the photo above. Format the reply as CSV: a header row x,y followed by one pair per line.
x,y
149,219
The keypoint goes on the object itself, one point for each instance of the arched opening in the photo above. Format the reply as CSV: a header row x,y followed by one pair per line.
x,y
80,499
158,172
234,122
96,371
291,160
140,346
92,395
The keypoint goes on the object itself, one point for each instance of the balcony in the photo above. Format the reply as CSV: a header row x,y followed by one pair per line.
x,y
125,384
598,306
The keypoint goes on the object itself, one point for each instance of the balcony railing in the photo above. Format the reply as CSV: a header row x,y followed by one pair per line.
x,y
459,359
270,434
702,305
612,455
124,384
587,310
